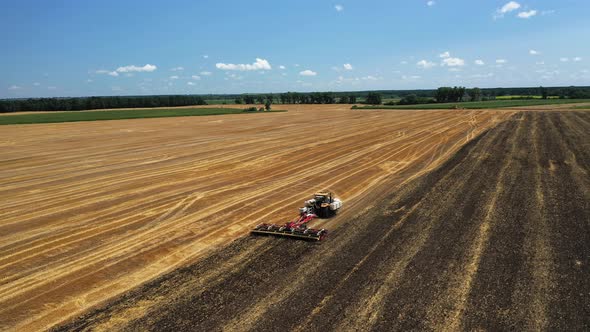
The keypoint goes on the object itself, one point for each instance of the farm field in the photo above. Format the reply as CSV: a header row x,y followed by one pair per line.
x,y
90,210
98,115
494,238
482,104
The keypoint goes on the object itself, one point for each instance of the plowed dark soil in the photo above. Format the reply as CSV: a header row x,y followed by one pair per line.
x,y
497,238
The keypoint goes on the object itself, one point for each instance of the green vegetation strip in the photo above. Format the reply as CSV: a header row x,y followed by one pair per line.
x,y
479,104
54,117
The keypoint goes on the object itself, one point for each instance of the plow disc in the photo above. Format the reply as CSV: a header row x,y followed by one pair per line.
x,y
293,232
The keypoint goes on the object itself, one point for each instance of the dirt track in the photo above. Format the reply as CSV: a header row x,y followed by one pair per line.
x,y
497,238
90,210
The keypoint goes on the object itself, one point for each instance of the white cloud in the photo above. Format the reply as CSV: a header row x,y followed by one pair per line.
x,y
404,63
564,59
282,67
527,14
190,83
533,52
14,87
132,68
196,77
577,59
369,78
113,73
507,8
453,62
36,84
548,12
205,73
308,72
425,64
177,69
89,81
412,77
260,64
339,8
479,62
501,61
174,77
205,56
445,55
431,3
510,6
347,66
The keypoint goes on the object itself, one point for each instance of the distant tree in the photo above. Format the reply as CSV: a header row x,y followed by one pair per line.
x,y
409,100
248,99
373,98
260,99
343,100
238,101
544,93
475,94
268,104
352,99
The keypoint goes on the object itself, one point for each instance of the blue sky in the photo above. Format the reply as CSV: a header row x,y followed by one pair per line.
x,y
81,48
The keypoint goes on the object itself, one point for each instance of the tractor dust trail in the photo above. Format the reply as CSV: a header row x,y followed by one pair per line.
x,y
91,210
496,238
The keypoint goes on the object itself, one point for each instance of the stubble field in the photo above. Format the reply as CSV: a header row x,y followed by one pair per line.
x,y
496,238
91,210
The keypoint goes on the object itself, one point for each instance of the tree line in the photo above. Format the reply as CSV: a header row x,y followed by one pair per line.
x,y
92,103
298,98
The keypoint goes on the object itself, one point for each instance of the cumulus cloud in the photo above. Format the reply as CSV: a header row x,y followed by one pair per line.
x,y
577,59
282,67
339,8
444,55
527,14
564,59
14,87
425,64
177,69
205,56
205,73
190,83
260,64
501,61
431,3
453,62
128,69
174,77
308,72
347,66
196,77
533,52
507,8
479,62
